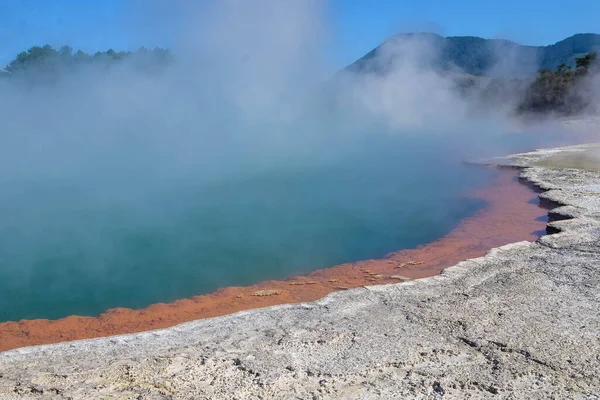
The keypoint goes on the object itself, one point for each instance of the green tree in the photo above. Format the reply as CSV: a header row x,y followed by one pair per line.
x,y
45,64
586,61
559,91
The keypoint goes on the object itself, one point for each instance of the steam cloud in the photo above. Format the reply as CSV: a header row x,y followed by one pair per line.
x,y
247,83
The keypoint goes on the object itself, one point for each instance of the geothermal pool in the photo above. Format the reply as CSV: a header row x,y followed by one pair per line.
x,y
81,246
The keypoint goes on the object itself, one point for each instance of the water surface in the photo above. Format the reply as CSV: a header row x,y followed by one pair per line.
x,y
80,247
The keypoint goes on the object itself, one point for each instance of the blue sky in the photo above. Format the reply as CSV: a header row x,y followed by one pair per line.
x,y
356,25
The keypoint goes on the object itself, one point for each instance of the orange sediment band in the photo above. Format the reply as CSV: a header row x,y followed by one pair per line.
x,y
509,217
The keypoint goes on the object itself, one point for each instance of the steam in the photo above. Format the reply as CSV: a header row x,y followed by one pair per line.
x,y
249,82
409,95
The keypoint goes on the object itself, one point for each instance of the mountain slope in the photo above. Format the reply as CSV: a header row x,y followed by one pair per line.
x,y
475,55
568,49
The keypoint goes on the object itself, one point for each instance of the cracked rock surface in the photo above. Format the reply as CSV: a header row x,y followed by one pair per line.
x,y
523,322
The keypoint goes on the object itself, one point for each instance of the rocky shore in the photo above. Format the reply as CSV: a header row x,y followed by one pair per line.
x,y
509,216
522,322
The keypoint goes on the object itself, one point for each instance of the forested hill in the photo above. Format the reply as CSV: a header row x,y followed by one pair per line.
x,y
45,63
478,56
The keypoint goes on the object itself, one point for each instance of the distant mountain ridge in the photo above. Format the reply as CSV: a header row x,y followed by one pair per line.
x,y
479,56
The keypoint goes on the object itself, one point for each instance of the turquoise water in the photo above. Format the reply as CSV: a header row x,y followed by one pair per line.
x,y
77,246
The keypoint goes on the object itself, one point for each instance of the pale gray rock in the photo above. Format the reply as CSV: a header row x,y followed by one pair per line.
x,y
523,322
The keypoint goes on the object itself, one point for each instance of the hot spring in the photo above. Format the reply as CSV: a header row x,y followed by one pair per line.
x,y
83,244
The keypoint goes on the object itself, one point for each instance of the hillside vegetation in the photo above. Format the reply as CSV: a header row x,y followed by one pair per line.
x,y
45,64
480,57
566,90
555,79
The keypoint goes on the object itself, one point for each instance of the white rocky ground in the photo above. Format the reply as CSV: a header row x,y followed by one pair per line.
x,y
523,322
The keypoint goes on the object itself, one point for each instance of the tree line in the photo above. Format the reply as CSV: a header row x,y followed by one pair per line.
x,y
564,90
567,90
46,64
